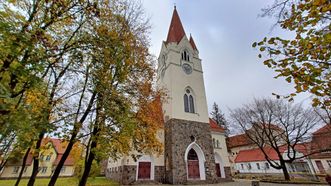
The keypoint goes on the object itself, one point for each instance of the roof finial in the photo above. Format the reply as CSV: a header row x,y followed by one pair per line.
x,y
174,5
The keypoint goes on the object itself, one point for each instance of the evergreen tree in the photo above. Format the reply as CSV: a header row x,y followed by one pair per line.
x,y
219,117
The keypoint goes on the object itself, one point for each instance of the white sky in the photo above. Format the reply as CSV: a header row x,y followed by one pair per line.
x,y
223,31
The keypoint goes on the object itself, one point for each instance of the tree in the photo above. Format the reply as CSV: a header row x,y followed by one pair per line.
x,y
305,59
275,125
219,117
118,79
126,116
38,40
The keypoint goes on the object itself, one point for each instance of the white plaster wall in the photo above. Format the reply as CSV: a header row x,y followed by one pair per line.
x,y
175,81
254,168
222,150
115,163
128,160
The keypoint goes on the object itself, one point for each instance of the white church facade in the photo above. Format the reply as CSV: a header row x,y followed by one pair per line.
x,y
194,145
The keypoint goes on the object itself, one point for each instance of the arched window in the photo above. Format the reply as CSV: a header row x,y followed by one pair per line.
x,y
192,155
191,104
185,55
189,101
186,107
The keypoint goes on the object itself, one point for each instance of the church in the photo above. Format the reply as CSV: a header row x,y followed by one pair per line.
x,y
194,145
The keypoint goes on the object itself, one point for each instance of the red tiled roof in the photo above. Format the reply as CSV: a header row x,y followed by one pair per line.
x,y
176,31
59,146
69,160
214,126
267,126
257,155
238,141
322,130
193,43
19,163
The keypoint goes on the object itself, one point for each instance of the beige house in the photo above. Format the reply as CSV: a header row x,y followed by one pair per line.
x,y
321,139
51,153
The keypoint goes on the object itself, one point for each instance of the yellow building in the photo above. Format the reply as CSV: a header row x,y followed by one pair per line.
x,y
51,153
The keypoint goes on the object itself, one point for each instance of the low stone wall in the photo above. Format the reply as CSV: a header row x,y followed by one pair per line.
x,y
123,174
227,171
159,174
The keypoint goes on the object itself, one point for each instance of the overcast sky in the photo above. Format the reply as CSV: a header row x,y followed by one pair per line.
x,y
224,31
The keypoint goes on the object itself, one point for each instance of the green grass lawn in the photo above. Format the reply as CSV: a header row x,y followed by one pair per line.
x,y
98,181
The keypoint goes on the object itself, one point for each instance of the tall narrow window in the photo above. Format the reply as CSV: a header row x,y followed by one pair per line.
x,y
186,107
188,101
191,104
185,56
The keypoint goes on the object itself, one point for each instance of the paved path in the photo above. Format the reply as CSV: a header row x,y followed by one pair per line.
x,y
248,183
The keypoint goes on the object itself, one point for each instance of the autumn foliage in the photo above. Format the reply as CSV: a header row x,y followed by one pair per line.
x,y
305,59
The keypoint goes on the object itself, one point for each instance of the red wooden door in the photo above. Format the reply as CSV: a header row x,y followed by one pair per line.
x,y
218,170
320,166
144,170
193,169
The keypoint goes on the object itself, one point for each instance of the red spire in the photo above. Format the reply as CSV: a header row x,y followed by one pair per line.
x,y
192,43
176,31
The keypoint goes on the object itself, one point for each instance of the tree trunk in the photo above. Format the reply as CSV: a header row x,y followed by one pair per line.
x,y
91,155
65,155
23,166
88,165
285,171
35,169
71,143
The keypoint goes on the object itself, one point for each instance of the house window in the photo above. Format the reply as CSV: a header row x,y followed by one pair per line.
x,y
16,169
242,166
189,101
267,165
185,55
217,144
214,143
48,157
63,169
258,166
249,166
329,163
41,157
43,170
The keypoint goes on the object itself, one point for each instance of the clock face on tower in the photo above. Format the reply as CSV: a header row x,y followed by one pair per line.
x,y
187,68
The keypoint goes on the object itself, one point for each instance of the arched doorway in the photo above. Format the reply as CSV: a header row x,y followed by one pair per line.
x,y
195,162
193,165
219,166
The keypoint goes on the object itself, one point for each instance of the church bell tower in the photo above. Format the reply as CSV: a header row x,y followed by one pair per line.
x,y
188,144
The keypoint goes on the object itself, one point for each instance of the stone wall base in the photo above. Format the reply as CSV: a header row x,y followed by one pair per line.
x,y
227,171
126,175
